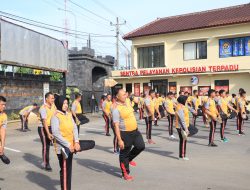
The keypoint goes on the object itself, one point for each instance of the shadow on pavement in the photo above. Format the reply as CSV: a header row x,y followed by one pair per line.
x,y
1,179
35,160
99,166
160,152
37,140
42,180
105,149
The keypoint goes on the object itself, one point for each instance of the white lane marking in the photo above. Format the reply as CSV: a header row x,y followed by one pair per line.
x,y
11,149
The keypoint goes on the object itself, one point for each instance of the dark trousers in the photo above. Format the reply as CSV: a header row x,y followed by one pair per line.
x,y
115,140
170,124
156,118
107,123
148,121
222,128
194,120
78,126
161,110
66,171
182,145
239,123
131,139
212,124
45,143
140,113
24,124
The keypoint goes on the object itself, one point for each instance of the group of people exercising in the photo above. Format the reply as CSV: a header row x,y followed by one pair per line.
x,y
216,107
61,126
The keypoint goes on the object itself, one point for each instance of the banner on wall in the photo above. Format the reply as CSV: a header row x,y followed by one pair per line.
x,y
247,46
221,85
172,87
226,47
203,90
218,88
186,89
137,89
238,46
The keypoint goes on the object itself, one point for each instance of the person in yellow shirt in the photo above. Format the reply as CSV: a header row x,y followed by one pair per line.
x,y
24,115
141,106
204,99
161,105
149,113
76,110
182,125
169,106
241,108
106,108
194,103
115,140
157,101
46,111
66,140
3,126
233,101
224,105
129,137
213,116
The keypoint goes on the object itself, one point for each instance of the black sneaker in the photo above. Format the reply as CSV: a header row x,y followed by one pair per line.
x,y
108,135
28,129
24,130
242,133
48,168
212,145
5,159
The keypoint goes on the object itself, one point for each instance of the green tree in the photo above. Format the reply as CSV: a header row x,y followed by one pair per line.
x,y
55,76
24,70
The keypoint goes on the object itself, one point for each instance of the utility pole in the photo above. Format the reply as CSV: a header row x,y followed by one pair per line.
x,y
89,42
117,25
65,10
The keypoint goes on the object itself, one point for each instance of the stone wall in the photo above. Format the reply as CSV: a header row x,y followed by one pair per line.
x,y
88,73
24,90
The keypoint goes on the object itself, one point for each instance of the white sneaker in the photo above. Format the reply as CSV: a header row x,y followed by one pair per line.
x,y
43,165
184,159
172,137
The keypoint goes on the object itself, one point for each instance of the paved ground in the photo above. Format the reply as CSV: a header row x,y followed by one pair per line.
x,y
225,167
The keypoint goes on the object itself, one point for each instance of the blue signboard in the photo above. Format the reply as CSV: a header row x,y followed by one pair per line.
x,y
241,47
236,47
247,46
226,48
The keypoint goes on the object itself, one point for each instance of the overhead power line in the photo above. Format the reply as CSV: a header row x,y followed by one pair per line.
x,y
50,25
80,14
89,11
112,12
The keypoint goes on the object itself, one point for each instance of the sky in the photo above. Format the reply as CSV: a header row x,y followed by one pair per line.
x,y
94,16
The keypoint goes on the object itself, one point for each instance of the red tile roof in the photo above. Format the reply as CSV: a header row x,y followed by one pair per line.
x,y
198,20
